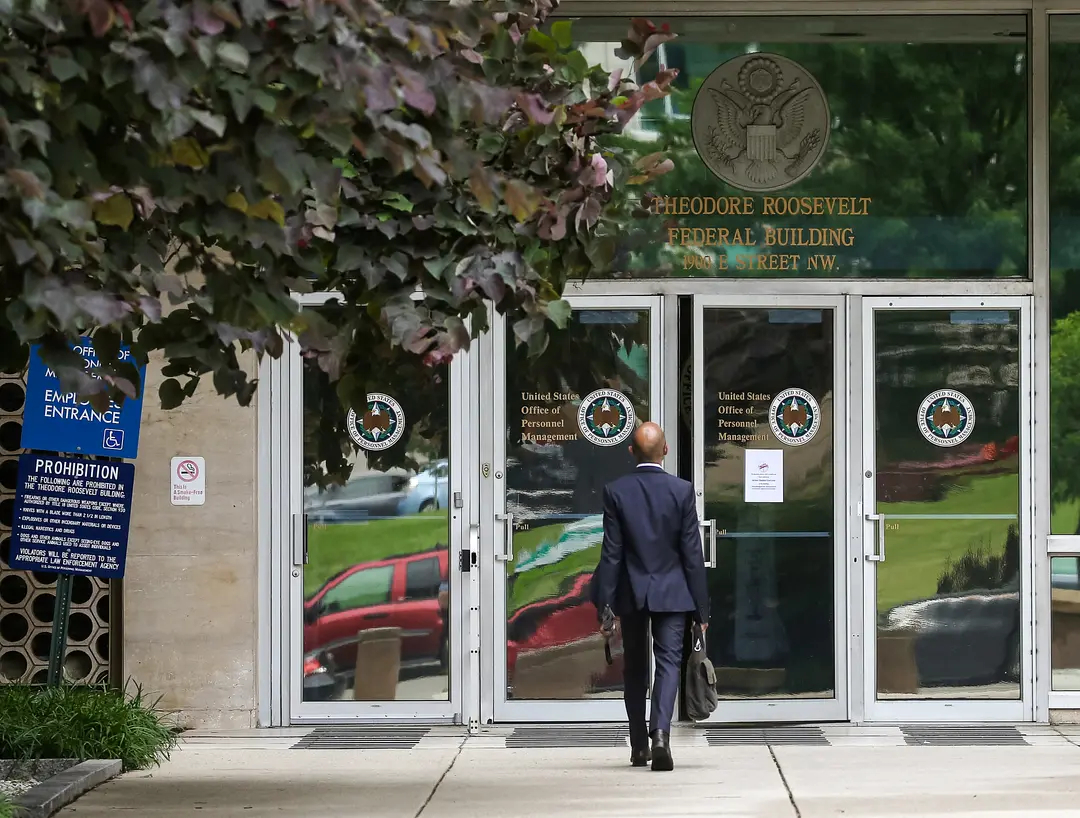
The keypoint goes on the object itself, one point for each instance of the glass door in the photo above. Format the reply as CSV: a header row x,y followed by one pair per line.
x,y
945,522
562,423
375,583
769,453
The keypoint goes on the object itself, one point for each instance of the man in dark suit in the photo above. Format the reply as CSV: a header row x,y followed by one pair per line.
x,y
651,573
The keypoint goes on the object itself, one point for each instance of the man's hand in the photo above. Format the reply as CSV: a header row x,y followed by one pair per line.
x,y
608,623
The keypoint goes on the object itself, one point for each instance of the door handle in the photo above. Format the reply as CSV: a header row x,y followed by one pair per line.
x,y
879,555
377,616
710,561
507,554
300,539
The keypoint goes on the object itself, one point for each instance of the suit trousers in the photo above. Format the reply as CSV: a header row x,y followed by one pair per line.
x,y
669,633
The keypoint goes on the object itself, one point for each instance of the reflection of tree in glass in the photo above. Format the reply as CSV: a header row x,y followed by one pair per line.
x,y
980,569
1065,285
935,134
745,351
581,359
599,349
422,391
919,353
1064,414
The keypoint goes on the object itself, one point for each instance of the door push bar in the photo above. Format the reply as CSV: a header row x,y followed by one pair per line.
x,y
879,556
710,561
300,539
507,554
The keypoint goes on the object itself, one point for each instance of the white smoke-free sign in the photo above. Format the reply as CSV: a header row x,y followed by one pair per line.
x,y
188,481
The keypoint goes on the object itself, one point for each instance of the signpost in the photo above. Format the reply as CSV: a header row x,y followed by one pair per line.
x,y
55,421
71,517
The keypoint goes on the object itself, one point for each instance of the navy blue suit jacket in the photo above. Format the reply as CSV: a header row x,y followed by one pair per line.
x,y
651,557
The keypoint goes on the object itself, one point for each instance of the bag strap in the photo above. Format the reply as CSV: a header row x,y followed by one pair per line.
x,y
698,635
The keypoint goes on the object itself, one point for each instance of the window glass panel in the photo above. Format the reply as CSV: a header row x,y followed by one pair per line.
x,y
360,590
921,154
422,579
388,512
1065,274
947,421
569,414
1065,634
773,625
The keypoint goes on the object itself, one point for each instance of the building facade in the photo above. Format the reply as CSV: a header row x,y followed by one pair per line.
x,y
851,305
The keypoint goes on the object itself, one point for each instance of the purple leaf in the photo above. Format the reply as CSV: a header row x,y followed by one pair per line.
x,y
378,95
205,20
588,213
428,170
456,334
595,173
415,91
150,307
535,107
654,41
553,224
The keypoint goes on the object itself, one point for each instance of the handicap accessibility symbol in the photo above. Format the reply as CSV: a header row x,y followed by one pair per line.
x,y
113,440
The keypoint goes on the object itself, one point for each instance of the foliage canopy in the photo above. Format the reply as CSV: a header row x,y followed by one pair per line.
x,y
171,173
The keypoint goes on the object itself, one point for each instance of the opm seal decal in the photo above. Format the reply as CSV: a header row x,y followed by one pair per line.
x,y
606,417
946,418
794,417
380,426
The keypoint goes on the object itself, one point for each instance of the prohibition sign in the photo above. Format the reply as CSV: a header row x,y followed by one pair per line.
x,y
187,470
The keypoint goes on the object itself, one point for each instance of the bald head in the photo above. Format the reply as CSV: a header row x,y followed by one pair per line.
x,y
648,444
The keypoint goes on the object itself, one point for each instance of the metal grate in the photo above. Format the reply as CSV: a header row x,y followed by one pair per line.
x,y
576,736
725,736
955,735
361,738
27,600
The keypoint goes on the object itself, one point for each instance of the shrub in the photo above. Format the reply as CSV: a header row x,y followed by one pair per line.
x,y
83,722
7,809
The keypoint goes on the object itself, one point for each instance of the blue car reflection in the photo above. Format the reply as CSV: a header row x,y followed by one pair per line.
x,y
378,495
427,490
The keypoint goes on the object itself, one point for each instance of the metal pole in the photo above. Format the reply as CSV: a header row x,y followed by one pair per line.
x,y
58,647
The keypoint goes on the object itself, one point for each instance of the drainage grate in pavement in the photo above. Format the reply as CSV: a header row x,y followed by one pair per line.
x,y
540,737
958,735
361,738
726,736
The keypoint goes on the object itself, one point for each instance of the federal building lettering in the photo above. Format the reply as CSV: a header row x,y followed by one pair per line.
x,y
763,206
771,236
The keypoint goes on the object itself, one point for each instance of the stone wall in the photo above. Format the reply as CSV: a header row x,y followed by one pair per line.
x,y
190,592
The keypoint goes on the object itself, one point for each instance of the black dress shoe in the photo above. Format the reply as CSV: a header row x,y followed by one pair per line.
x,y
661,752
640,757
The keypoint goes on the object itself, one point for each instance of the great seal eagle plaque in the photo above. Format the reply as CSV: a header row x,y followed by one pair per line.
x,y
760,122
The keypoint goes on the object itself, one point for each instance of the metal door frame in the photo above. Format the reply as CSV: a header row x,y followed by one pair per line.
x,y
495,706
761,709
289,561
863,393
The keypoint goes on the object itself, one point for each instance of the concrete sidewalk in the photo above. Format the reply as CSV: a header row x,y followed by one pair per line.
x,y
860,772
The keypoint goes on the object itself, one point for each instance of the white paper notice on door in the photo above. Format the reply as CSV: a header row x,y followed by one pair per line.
x,y
764,475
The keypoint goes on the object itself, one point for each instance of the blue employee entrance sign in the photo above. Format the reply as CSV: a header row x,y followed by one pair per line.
x,y
71,516
54,420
